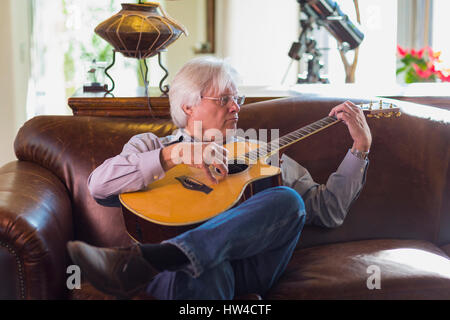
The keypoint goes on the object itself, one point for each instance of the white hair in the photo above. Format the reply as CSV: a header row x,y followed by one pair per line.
x,y
195,78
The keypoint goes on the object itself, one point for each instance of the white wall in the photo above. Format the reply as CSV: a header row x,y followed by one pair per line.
x,y
255,35
192,15
14,66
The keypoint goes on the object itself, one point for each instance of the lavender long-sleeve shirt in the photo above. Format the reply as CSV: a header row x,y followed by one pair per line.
x,y
138,165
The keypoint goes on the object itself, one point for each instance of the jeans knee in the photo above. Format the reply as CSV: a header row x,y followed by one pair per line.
x,y
291,200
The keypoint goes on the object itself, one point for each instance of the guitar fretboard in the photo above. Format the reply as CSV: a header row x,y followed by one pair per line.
x,y
290,138
266,150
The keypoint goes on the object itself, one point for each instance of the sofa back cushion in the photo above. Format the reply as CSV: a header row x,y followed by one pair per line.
x,y
406,194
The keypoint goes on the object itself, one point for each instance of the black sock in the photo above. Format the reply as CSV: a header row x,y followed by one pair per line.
x,y
164,256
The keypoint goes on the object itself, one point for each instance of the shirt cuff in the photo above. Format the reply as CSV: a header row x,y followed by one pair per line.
x,y
150,166
352,166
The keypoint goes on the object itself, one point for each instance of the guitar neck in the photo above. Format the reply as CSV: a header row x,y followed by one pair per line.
x,y
300,134
285,141
266,150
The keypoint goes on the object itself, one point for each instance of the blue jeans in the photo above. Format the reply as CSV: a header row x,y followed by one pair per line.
x,y
243,250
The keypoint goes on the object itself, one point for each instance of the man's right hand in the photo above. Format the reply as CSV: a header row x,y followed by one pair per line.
x,y
200,155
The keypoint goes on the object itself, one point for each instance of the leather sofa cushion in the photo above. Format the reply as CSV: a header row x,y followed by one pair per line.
x,y
409,269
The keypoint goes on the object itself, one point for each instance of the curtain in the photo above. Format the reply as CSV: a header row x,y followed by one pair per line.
x,y
46,90
415,23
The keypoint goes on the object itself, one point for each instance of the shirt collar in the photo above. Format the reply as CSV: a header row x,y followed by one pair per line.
x,y
183,133
178,133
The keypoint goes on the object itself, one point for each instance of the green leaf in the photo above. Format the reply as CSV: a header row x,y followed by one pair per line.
x,y
422,65
411,76
400,70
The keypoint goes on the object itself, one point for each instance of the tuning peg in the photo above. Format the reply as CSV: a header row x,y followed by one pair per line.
x,y
391,106
381,105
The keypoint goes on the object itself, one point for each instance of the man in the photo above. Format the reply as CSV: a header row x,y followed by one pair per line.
x,y
242,250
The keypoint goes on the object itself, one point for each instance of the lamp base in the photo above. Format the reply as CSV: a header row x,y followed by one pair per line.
x,y
95,87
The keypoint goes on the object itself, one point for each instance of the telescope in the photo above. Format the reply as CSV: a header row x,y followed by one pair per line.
x,y
328,14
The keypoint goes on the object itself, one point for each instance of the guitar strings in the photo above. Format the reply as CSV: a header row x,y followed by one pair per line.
x,y
275,145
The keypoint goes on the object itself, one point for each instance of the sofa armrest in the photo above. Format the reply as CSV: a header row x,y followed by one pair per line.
x,y
35,225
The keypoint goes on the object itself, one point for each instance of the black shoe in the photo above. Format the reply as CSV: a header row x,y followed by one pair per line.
x,y
121,272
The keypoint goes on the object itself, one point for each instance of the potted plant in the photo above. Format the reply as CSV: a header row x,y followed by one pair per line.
x,y
421,65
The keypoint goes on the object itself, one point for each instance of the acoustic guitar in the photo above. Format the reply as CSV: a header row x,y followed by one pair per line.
x,y
185,198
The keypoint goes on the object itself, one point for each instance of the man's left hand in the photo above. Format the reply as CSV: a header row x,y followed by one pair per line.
x,y
356,122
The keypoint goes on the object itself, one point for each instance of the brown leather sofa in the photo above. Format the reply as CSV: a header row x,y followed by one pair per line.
x,y
400,223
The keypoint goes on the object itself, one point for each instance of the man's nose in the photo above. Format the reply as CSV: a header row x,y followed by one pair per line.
x,y
234,106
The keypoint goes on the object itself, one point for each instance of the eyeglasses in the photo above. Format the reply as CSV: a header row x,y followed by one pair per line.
x,y
224,100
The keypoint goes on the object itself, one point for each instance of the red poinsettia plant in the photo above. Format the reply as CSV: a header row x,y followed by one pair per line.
x,y
421,65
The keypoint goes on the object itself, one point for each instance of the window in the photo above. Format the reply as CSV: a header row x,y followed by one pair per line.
x,y
63,46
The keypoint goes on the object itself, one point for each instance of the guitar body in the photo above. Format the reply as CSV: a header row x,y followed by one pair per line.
x,y
168,207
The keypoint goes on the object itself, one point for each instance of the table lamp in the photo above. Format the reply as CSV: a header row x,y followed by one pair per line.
x,y
140,30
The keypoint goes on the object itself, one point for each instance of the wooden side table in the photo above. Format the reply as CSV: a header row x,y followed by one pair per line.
x,y
137,104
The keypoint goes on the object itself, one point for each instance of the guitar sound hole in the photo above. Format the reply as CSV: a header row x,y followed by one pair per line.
x,y
234,168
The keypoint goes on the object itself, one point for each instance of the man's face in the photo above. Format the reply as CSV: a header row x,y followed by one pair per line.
x,y
214,115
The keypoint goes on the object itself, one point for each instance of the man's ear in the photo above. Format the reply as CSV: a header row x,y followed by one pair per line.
x,y
188,110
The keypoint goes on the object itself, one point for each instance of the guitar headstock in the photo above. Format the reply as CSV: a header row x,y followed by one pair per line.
x,y
380,110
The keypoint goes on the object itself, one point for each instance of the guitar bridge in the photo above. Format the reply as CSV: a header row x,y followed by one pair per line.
x,y
193,184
